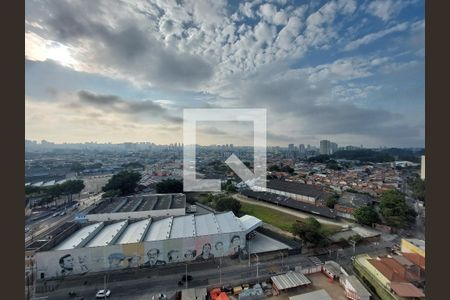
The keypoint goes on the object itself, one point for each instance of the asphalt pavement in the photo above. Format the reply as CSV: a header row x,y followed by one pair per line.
x,y
140,283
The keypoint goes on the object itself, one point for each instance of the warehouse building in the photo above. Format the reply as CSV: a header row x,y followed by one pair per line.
x,y
295,190
139,206
109,245
291,203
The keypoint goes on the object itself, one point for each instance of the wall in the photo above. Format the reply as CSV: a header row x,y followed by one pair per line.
x,y
136,214
96,259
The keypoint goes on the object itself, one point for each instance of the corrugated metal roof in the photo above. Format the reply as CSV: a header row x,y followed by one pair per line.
x,y
134,232
250,222
206,225
107,234
159,230
290,280
183,227
78,237
229,223
358,286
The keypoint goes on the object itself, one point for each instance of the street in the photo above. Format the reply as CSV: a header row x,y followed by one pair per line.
x,y
140,283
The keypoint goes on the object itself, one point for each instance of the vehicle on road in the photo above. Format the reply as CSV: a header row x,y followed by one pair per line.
x,y
55,214
159,297
188,278
62,213
72,294
103,293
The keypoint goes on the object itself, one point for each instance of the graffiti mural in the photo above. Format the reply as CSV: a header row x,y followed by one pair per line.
x,y
206,253
153,258
82,261
146,254
67,264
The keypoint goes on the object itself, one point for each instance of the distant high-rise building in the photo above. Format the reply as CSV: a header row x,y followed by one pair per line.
x,y
334,148
422,167
325,147
301,148
291,147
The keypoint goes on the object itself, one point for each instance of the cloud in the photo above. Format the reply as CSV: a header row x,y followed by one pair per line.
x,y
206,53
117,104
123,50
385,9
375,36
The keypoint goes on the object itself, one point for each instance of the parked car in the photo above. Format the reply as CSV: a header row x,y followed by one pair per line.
x,y
189,278
103,293
159,297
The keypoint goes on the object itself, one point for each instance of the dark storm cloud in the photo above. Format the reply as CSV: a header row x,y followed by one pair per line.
x,y
127,48
117,104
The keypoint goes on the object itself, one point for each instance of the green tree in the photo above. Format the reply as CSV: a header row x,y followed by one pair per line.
x,y
366,215
332,200
274,168
169,186
125,182
395,211
418,188
54,192
287,169
228,204
29,190
309,231
228,186
70,187
111,193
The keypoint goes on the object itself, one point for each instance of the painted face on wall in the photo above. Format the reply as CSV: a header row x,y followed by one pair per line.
x,y
219,248
66,263
153,260
133,261
190,254
206,249
115,259
153,255
236,241
174,256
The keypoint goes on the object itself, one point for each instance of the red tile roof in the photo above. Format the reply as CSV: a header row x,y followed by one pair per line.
x,y
390,268
416,259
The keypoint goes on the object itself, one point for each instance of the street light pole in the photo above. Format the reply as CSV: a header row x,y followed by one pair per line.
x,y
186,277
249,253
104,286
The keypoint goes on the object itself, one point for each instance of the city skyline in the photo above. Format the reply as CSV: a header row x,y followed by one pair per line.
x,y
351,72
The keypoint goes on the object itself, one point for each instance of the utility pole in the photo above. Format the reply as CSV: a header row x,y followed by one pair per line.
x,y
220,271
186,277
257,265
249,253
104,286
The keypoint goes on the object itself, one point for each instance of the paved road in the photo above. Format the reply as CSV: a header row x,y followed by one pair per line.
x,y
293,212
142,283
40,228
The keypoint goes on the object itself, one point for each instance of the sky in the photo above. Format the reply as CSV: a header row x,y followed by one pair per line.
x,y
123,71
